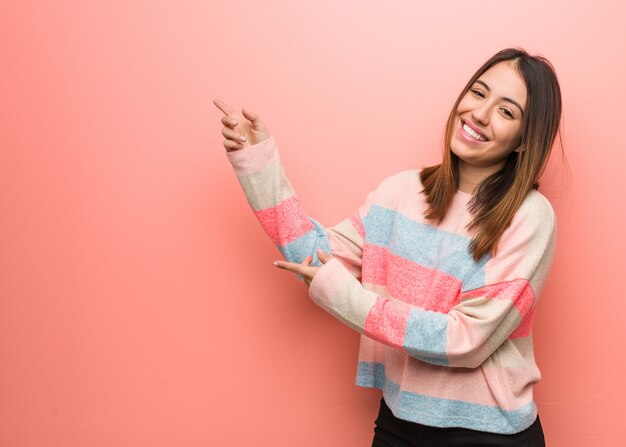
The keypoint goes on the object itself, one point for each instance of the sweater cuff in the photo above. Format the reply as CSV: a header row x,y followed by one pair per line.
x,y
339,293
325,282
253,158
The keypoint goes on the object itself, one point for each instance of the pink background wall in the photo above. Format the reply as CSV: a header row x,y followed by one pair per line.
x,y
138,303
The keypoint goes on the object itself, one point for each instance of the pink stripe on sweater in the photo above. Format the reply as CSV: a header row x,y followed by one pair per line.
x,y
355,219
285,222
525,328
410,282
387,321
375,269
518,291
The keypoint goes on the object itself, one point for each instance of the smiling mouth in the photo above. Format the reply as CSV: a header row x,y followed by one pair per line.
x,y
471,133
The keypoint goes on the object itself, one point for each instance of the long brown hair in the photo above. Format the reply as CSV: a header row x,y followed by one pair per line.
x,y
498,197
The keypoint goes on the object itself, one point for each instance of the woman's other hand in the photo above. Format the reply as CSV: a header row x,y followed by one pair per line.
x,y
241,130
305,268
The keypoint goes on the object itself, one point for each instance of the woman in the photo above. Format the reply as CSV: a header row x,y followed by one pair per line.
x,y
439,270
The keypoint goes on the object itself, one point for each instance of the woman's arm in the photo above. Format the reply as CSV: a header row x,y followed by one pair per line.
x,y
473,329
282,216
271,196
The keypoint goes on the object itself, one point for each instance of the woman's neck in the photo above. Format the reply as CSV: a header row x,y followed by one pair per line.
x,y
470,176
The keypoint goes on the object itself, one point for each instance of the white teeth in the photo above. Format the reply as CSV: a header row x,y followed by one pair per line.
x,y
468,130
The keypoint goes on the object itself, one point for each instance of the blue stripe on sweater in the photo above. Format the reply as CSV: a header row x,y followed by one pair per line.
x,y
439,412
307,244
426,335
422,243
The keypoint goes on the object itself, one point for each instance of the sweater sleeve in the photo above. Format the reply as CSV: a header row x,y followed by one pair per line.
x,y
280,213
484,317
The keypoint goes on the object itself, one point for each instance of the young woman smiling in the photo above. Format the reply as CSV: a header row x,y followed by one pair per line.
x,y
439,269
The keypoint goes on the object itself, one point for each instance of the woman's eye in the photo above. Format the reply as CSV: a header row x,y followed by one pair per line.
x,y
507,112
478,93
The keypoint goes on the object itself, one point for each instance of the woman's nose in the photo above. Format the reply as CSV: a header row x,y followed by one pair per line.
x,y
480,114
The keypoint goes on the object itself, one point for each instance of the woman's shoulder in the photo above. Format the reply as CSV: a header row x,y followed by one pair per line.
x,y
402,179
393,189
534,220
537,207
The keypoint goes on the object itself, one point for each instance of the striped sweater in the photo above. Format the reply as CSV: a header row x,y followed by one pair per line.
x,y
447,339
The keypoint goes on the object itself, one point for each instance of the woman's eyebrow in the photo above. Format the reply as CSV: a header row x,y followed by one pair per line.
x,y
504,97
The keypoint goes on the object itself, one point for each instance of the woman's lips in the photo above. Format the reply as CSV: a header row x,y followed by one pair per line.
x,y
468,137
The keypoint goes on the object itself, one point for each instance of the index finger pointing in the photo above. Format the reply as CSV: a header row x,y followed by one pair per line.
x,y
223,107
323,256
293,267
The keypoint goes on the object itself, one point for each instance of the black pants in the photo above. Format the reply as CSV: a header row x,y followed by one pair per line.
x,y
393,432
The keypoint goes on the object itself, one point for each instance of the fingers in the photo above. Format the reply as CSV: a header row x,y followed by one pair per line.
x,y
230,118
291,266
234,140
307,261
254,129
223,107
231,145
324,257
305,270
253,118
232,135
229,121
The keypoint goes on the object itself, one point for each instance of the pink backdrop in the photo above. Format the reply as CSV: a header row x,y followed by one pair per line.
x,y
138,303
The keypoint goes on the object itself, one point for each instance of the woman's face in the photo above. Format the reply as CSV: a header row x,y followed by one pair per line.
x,y
488,120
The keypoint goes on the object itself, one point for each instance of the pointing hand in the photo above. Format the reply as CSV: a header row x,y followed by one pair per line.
x,y
305,268
242,130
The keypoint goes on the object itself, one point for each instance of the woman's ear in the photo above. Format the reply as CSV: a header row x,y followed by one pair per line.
x,y
520,148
